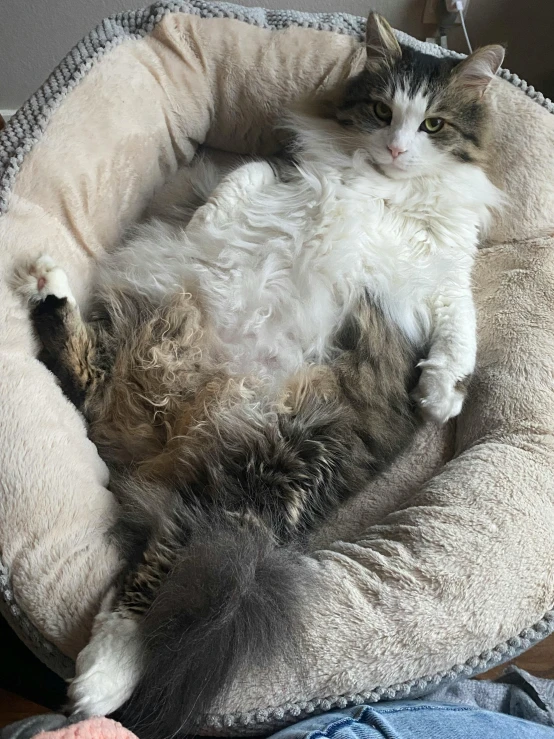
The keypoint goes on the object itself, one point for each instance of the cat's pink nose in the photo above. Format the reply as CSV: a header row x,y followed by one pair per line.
x,y
396,151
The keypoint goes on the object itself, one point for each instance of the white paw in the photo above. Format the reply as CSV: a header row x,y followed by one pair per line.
x,y
438,394
108,668
44,278
227,200
255,175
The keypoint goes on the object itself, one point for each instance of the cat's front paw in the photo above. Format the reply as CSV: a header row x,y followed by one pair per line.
x,y
439,395
41,279
256,175
230,194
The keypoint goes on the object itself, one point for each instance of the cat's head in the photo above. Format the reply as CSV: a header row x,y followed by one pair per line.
x,y
412,112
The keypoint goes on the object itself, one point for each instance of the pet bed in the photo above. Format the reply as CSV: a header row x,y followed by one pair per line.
x,y
442,568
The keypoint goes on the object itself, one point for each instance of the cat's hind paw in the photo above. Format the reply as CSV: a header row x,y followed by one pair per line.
x,y
108,668
41,279
439,395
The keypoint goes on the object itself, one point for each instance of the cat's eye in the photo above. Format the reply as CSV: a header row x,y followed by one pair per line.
x,y
382,111
432,125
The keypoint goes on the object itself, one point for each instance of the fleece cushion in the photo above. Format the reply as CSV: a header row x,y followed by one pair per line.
x,y
442,568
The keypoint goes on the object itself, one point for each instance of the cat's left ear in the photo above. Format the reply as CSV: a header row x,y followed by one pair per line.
x,y
479,68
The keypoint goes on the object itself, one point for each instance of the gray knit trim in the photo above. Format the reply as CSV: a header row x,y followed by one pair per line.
x,y
529,90
25,129
273,718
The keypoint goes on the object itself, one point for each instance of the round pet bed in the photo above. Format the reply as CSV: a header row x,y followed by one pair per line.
x,y
441,569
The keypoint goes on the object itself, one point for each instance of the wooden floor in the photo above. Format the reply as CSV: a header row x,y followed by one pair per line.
x,y
13,708
539,661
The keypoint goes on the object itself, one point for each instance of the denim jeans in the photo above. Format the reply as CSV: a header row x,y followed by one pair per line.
x,y
414,720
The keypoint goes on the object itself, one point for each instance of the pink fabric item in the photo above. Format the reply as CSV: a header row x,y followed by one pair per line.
x,y
92,728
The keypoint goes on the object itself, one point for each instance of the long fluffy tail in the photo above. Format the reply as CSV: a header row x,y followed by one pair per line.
x,y
231,603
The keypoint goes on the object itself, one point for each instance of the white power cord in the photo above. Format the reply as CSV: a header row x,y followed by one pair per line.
x,y
460,8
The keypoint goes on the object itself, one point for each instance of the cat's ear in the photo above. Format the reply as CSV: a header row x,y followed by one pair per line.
x,y
381,43
479,68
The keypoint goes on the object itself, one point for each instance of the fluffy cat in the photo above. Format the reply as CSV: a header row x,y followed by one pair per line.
x,y
244,375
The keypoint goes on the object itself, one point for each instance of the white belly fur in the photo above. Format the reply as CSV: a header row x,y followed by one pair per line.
x,y
279,267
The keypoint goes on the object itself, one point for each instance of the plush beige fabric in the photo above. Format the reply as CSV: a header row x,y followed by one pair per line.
x,y
445,561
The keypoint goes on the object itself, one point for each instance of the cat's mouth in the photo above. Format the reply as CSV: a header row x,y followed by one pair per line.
x,y
386,160
396,168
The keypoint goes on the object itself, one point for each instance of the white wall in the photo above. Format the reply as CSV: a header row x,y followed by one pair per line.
x,y
35,34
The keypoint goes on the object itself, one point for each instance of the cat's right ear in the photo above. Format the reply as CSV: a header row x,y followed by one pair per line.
x,y
381,44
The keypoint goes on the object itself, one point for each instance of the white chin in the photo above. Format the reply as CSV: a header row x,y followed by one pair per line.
x,y
395,169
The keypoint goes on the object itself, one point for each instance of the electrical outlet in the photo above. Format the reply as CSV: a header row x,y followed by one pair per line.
x,y
433,10
451,5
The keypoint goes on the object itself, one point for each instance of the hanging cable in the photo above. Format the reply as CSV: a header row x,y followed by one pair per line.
x,y
460,9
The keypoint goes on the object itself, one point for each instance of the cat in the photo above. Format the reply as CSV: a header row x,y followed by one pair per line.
x,y
244,375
